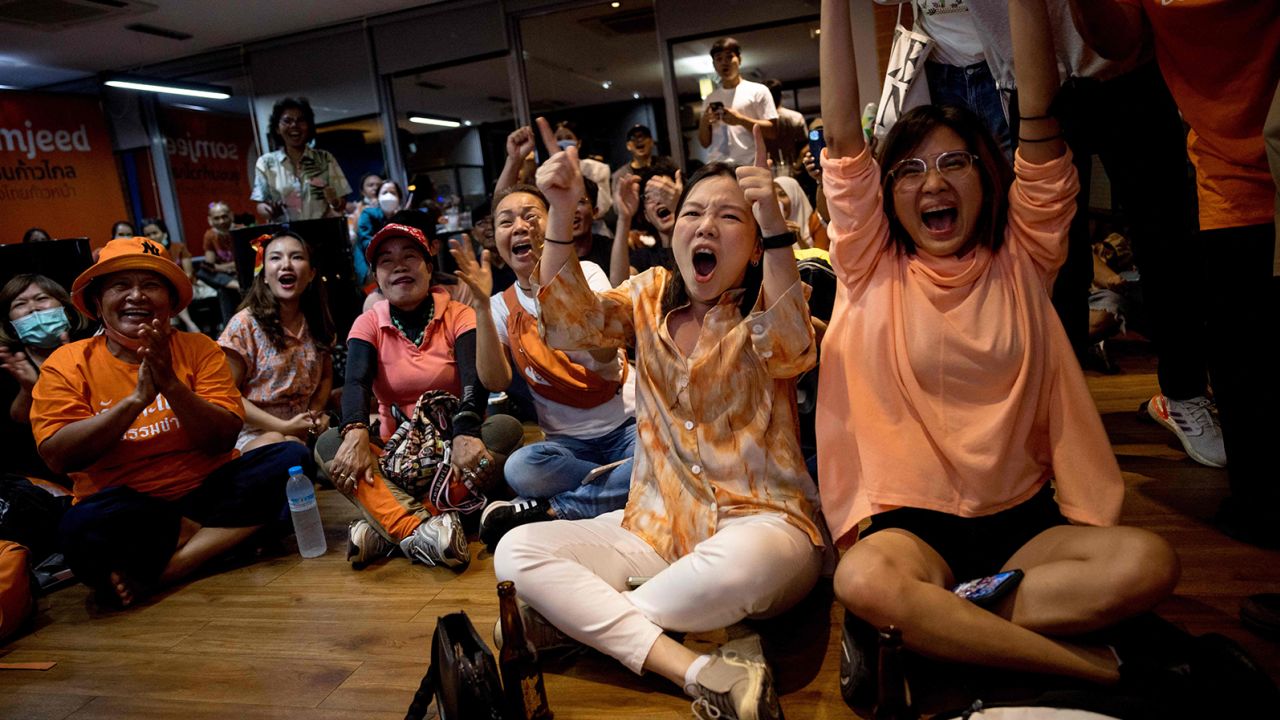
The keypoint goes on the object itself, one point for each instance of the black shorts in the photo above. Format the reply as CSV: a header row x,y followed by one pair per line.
x,y
120,529
978,546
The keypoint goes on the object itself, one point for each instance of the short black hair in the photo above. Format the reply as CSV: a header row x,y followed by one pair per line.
x,y
526,188
593,191
153,221
775,89
726,43
300,104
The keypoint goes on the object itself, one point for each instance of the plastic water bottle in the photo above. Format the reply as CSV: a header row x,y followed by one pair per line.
x,y
306,514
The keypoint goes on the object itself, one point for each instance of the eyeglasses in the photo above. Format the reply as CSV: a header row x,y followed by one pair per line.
x,y
289,121
911,172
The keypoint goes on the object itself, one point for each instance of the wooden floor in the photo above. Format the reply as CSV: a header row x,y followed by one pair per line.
x,y
292,638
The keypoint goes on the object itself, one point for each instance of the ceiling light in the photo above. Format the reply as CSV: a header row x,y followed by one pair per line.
x,y
436,121
467,123
169,87
615,4
606,84
635,95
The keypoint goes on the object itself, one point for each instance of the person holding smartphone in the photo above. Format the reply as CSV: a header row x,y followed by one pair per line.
x,y
733,109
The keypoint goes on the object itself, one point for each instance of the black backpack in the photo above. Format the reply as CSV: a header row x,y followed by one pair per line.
x,y
29,515
463,676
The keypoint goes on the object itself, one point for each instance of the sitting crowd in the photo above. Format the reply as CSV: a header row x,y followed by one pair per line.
x,y
956,437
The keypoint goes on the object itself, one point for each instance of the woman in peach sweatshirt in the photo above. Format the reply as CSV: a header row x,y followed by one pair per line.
x,y
951,411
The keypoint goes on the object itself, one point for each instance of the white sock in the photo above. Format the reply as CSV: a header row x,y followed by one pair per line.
x,y
691,675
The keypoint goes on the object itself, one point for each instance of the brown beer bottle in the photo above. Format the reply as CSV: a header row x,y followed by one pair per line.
x,y
524,693
893,702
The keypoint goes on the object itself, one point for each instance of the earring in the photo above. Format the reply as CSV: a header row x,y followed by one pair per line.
x,y
755,262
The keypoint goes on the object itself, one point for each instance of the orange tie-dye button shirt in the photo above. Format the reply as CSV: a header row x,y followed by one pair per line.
x,y
718,434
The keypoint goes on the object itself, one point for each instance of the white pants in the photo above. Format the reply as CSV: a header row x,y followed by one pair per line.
x,y
574,572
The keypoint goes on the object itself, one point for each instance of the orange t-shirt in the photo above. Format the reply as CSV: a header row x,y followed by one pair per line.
x,y
156,455
1221,60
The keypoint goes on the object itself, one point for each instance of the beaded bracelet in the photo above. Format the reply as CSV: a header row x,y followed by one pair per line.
x,y
352,426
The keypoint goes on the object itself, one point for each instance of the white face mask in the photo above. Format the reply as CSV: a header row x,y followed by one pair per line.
x,y
388,202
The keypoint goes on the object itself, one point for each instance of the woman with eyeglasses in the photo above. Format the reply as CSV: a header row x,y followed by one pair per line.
x,y
295,181
951,410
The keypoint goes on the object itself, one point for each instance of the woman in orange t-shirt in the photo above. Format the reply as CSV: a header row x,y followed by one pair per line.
x,y
950,407
144,419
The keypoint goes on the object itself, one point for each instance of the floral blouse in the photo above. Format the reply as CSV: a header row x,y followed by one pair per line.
x,y
302,191
280,382
718,433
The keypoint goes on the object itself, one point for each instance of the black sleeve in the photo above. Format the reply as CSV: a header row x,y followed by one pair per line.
x,y
475,398
357,388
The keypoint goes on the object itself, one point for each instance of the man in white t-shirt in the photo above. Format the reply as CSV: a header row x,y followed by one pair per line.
x,y
731,111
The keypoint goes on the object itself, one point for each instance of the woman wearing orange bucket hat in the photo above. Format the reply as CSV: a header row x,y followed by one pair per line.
x,y
144,419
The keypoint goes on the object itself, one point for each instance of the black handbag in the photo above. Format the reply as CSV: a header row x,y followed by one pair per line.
x,y
463,676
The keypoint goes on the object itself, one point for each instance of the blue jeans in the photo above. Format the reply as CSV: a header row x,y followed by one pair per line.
x,y
972,87
554,470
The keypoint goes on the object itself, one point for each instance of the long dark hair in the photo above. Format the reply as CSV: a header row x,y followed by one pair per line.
x,y
993,169
676,294
265,306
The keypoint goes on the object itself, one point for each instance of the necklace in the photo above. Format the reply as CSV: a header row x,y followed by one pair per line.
x,y
413,334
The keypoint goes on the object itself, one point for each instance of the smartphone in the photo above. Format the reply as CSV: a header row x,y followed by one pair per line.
x,y
986,590
635,581
601,471
717,107
817,141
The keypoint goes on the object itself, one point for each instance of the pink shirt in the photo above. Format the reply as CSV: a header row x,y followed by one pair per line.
x,y
406,371
948,383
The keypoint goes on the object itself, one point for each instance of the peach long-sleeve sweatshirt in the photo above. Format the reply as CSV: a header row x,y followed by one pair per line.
x,y
948,383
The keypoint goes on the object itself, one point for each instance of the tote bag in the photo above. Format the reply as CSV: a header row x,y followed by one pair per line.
x,y
904,84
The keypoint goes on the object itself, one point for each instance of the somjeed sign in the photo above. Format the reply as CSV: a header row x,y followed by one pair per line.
x,y
211,157
57,170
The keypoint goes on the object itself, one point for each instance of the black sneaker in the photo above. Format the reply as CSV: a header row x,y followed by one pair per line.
x,y
859,663
500,516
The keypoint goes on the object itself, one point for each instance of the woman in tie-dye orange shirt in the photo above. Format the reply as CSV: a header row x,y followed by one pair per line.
x,y
720,515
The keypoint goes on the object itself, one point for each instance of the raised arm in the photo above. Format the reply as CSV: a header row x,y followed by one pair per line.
x,y
627,203
1112,29
780,272
1035,70
491,358
560,180
841,116
519,145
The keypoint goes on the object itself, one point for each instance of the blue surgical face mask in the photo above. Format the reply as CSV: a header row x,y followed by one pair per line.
x,y
43,328
566,144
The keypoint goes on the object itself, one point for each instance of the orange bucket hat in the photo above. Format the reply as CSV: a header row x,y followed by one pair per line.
x,y
135,253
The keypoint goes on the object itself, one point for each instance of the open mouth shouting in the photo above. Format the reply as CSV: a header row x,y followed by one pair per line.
x,y
940,219
704,263
522,248
287,280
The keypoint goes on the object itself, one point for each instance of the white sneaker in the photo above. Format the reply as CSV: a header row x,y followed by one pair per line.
x,y
364,544
736,684
1194,424
438,541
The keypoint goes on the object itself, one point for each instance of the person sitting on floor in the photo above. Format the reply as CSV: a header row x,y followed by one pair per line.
x,y
720,518
278,346
415,341
951,410
579,396
144,419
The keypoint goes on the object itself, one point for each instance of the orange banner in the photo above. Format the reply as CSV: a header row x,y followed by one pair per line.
x,y
211,158
57,170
